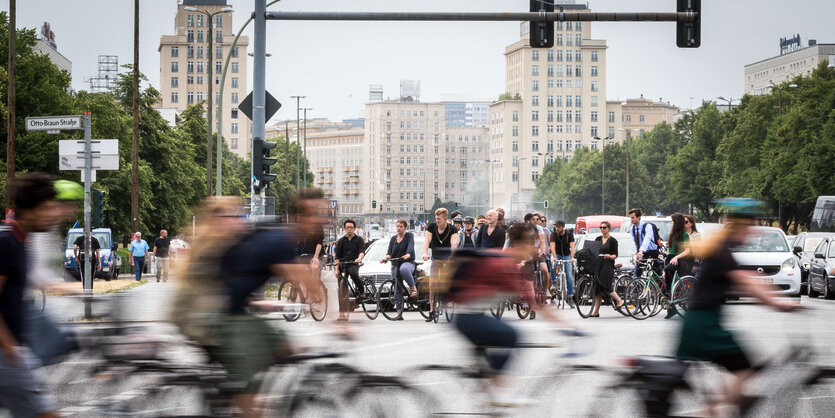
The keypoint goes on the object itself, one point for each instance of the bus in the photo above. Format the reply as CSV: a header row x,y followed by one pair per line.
x,y
823,218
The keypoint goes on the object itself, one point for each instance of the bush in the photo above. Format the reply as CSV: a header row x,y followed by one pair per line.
x,y
123,253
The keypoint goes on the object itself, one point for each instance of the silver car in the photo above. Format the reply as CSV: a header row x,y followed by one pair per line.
x,y
767,253
822,270
380,272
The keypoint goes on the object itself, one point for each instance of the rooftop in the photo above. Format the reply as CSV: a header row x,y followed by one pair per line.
x,y
205,3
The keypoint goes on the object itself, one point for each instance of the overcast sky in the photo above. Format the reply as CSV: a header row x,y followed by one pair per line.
x,y
332,63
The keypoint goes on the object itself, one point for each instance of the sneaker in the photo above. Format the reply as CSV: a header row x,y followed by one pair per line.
x,y
671,313
571,302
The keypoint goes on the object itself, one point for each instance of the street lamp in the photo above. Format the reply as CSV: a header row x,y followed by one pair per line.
x,y
298,139
628,158
210,108
603,173
518,182
729,101
304,170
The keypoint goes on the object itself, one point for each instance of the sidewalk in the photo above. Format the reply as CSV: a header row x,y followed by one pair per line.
x,y
149,302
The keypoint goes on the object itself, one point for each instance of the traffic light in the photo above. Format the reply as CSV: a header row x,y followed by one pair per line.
x,y
262,162
97,200
456,205
546,204
373,204
689,34
542,33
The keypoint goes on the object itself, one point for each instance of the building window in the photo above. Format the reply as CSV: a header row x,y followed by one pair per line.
x,y
235,52
535,55
234,67
199,96
218,67
550,83
559,55
535,130
549,146
190,51
516,116
190,97
219,20
190,79
578,72
550,100
550,115
175,97
593,145
234,97
535,70
594,71
559,100
568,146
594,131
578,55
199,20
199,67
535,115
593,56
515,130
515,162
559,146
175,52
550,55
578,39
594,116
629,118
569,101
535,146
535,85
641,118
535,161
219,36
515,176
175,66
611,116
515,146
175,82
200,36
578,129
190,20
578,115
199,52
578,101
190,35
594,87
234,82
558,41
233,143
234,113
535,100
199,79
593,101
611,132
234,128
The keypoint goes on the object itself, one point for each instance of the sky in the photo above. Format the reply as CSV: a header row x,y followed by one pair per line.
x,y
332,63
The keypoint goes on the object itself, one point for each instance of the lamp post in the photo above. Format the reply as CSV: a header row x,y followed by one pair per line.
x,y
628,159
298,139
210,108
602,174
304,169
729,101
518,183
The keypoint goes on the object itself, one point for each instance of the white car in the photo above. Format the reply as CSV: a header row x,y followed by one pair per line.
x,y
380,272
767,253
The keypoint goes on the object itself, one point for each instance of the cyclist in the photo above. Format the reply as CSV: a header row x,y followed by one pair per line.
x,y
309,225
541,243
645,240
702,337
677,243
402,245
562,248
441,237
36,210
349,248
458,223
481,280
466,236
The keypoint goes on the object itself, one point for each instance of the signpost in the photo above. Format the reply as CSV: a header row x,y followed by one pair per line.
x,y
87,156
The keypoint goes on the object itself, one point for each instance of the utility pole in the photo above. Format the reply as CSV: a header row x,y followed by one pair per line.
x,y
286,165
298,139
304,169
134,170
10,128
209,103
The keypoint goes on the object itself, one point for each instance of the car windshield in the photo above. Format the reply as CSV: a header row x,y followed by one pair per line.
x,y
378,250
103,237
812,243
764,241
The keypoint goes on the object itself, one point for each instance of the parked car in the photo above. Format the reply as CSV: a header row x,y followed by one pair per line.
x,y
767,252
380,272
822,270
110,262
591,224
803,247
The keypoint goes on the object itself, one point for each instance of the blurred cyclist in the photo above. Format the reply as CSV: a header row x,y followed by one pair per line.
x,y
702,334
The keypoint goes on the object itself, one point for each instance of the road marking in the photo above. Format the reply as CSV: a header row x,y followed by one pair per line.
x,y
400,342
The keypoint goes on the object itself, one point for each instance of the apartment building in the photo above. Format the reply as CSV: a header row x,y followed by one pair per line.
x,y
794,60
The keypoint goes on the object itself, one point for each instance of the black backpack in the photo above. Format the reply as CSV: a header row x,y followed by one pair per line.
x,y
588,259
658,240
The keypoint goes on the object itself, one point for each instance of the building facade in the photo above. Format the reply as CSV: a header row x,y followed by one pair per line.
x,y
336,158
761,75
184,68
559,104
45,45
640,115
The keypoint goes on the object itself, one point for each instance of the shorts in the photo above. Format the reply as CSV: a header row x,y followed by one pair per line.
x,y
248,346
20,391
704,339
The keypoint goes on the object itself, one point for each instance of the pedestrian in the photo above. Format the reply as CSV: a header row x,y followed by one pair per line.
x,y
501,217
36,210
79,248
441,237
162,246
562,248
138,251
606,276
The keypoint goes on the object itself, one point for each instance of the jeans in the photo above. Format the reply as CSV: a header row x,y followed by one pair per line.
x,y
407,271
569,273
162,264
484,330
138,266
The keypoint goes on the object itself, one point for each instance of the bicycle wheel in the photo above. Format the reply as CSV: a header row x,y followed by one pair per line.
x,y
621,283
319,309
371,301
584,295
438,308
681,293
523,308
562,292
386,300
422,300
288,293
497,311
640,299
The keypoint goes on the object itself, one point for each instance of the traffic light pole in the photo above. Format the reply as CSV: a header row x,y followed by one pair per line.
x,y
87,277
258,100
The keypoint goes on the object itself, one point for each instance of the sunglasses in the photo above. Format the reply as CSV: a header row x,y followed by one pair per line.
x,y
687,222
604,227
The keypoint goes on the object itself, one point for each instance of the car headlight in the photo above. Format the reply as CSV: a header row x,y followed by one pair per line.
x,y
788,265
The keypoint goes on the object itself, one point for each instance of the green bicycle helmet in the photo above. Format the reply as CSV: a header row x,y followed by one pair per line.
x,y
742,207
68,190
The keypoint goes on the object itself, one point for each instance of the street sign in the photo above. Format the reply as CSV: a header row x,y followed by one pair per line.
x,y
53,123
333,204
105,154
272,106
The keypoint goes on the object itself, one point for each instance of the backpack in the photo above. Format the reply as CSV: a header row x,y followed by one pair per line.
x,y
658,240
588,261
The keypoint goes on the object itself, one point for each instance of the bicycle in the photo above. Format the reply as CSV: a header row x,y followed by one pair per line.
x,y
291,292
559,292
585,289
645,296
369,299
387,299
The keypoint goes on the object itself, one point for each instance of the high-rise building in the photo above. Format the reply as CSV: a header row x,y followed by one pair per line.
x,y
640,115
412,157
45,44
555,103
336,157
794,60
184,68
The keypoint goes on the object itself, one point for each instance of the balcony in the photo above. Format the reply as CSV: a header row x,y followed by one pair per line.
x,y
324,170
327,192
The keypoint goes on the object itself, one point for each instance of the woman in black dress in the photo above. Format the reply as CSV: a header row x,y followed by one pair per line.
x,y
609,250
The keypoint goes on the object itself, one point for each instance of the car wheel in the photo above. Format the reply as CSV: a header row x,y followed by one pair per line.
x,y
812,293
827,292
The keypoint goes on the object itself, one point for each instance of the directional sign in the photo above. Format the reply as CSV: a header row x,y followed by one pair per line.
x,y
105,154
53,123
272,106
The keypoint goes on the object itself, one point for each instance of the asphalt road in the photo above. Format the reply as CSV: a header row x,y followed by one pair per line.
x,y
396,348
